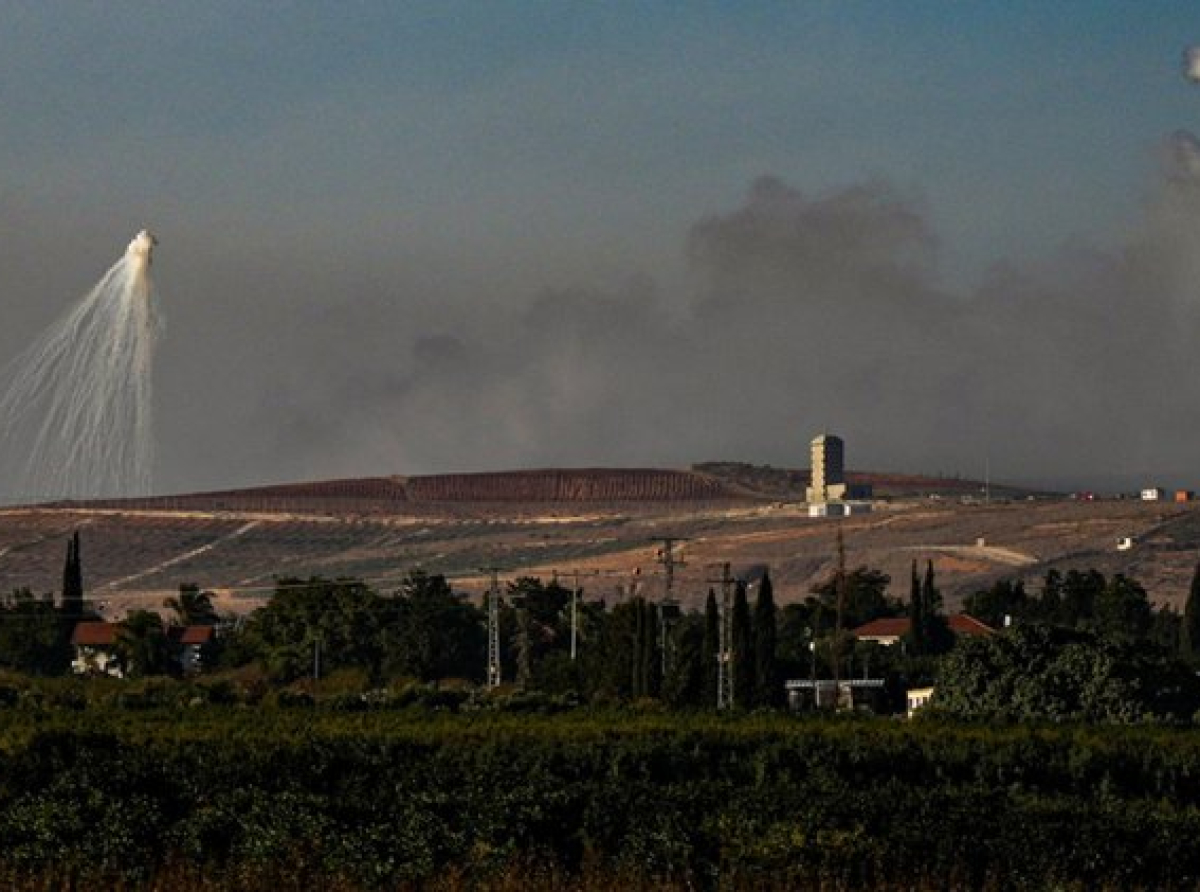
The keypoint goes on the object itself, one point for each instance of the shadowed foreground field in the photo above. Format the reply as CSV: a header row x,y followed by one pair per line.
x,y
157,789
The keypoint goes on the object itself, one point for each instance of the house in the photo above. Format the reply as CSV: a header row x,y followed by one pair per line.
x,y
887,630
917,698
189,642
95,651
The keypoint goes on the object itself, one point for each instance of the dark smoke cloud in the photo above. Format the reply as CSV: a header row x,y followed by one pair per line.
x,y
1182,152
808,313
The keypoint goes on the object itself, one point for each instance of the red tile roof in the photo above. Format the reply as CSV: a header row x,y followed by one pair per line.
x,y
884,627
192,634
94,634
965,624
898,626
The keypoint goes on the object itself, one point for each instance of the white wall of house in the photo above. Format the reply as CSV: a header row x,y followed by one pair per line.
x,y
918,698
95,661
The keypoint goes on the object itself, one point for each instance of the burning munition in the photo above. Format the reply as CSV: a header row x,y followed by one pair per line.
x,y
75,406
141,248
1191,64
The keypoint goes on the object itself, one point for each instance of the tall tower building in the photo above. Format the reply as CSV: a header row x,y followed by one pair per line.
x,y
828,483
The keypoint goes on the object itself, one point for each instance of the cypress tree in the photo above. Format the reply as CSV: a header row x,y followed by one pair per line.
x,y
611,666
936,635
1190,637
710,650
918,644
647,668
684,681
1050,607
72,587
931,600
766,673
524,650
651,654
743,649
639,648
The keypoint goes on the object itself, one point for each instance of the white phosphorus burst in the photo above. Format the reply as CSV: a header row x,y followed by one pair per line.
x,y
75,417
1191,64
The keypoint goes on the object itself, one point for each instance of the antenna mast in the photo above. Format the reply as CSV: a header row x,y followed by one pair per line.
x,y
576,591
666,557
725,641
493,631
840,589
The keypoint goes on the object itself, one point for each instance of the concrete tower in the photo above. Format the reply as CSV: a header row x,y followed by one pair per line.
x,y
828,483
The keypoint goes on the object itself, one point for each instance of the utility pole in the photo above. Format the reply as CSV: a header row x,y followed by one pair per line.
x,y
575,620
725,640
666,557
840,589
576,591
493,632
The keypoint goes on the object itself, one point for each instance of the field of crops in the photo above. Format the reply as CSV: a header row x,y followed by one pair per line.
x,y
426,788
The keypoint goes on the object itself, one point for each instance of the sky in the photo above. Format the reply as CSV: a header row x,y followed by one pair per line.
x,y
430,237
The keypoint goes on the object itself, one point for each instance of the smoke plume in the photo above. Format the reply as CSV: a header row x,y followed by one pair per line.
x,y
808,312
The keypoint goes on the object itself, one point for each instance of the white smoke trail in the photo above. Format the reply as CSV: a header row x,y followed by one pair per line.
x,y
75,418
1191,64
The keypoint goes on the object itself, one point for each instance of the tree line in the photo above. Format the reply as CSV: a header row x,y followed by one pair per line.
x,y
1082,646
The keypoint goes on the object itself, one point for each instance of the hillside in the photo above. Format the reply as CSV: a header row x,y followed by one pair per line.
x,y
600,527
509,491
417,495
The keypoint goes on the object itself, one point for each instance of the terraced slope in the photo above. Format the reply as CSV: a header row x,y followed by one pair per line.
x,y
534,490
138,556
417,495
588,485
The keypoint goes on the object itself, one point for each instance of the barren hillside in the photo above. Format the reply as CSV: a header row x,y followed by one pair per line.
x,y
596,527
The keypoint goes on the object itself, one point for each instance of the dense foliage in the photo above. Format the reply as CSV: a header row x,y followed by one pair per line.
x,y
346,742
1086,648
384,794
1040,672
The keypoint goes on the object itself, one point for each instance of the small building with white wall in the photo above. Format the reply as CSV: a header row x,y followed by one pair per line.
x,y
95,649
838,509
917,698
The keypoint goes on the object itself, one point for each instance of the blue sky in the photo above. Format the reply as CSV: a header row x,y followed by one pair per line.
x,y
1020,124
455,154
